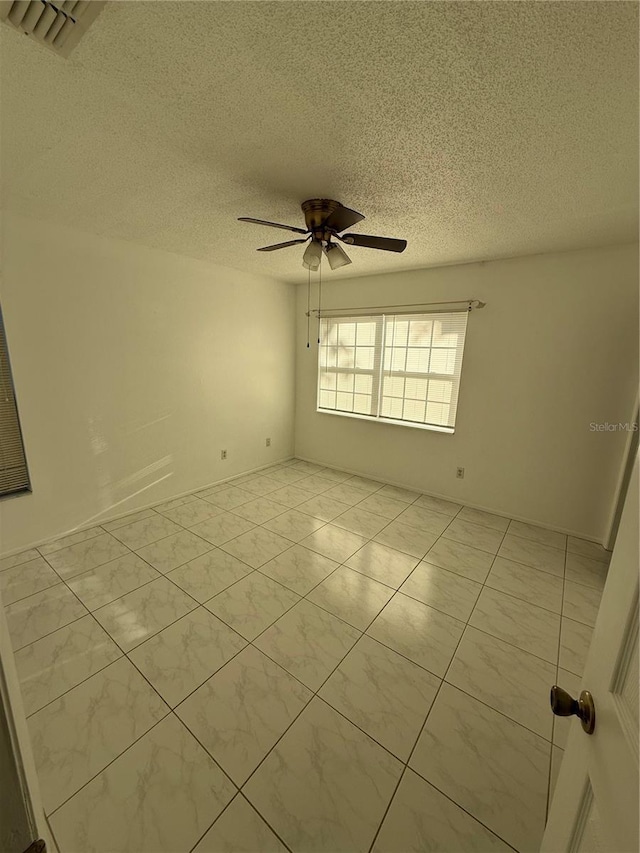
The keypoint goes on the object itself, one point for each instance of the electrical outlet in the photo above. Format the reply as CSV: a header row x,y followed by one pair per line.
x,y
460,473
268,442
223,454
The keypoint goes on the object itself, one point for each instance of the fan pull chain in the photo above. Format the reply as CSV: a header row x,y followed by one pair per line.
x,y
319,296
308,306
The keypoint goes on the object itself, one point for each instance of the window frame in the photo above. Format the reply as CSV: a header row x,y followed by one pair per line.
x,y
378,372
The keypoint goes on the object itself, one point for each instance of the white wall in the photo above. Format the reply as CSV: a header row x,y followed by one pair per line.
x,y
133,368
555,349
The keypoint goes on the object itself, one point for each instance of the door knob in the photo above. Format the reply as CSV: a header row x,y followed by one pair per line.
x,y
564,705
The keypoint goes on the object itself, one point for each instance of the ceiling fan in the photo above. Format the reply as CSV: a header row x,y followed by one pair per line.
x,y
326,219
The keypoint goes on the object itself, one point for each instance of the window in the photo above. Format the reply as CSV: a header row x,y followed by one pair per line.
x,y
14,476
399,368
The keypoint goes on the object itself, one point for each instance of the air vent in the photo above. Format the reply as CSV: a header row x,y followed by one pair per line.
x,y
58,26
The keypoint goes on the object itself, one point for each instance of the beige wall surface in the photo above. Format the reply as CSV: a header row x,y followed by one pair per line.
x,y
554,351
133,368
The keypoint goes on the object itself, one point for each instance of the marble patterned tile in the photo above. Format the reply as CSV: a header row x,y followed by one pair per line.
x,y
584,548
160,796
316,484
240,829
173,551
71,539
382,505
25,579
495,769
222,528
365,483
581,603
112,580
87,555
17,559
42,613
174,503
335,475
294,525
145,532
290,496
192,512
140,614
324,508
403,537
462,559
209,574
334,542
265,485
485,519
308,642
230,497
299,569
440,505
538,534
586,571
181,657
123,520
289,475
532,585
382,563
530,628
257,546
305,467
383,693
252,604
575,639
422,820
556,762
77,735
506,678
425,519
54,664
345,493
396,493
444,590
534,554
259,510
359,521
561,725
483,538
351,596
240,713
325,786
424,635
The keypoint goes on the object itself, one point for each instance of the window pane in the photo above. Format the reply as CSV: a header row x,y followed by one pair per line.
x,y
345,356
331,335
414,410
328,381
345,382
437,413
366,334
392,408
362,404
364,384
328,356
364,357
398,358
420,333
444,335
443,361
347,334
393,386
416,389
327,399
418,360
344,401
440,391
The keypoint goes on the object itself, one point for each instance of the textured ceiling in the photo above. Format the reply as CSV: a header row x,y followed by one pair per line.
x,y
474,130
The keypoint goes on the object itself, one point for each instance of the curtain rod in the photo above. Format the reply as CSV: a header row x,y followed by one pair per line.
x,y
349,312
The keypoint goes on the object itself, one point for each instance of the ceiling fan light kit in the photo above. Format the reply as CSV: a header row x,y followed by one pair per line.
x,y
326,219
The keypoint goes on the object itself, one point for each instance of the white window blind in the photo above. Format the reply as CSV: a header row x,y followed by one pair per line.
x,y
399,368
14,476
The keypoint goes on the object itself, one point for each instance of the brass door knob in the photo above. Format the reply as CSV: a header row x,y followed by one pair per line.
x,y
564,705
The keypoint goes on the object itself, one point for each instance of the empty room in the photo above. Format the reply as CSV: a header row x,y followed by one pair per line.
x,y
319,426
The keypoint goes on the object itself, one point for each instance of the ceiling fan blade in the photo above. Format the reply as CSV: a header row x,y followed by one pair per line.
x,y
342,217
386,244
281,245
336,256
272,224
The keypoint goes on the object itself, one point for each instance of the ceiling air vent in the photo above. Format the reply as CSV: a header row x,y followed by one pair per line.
x,y
57,25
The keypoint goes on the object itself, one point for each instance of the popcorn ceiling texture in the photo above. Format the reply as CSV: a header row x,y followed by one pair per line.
x,y
474,130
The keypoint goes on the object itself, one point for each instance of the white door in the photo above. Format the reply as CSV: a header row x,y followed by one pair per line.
x,y
595,806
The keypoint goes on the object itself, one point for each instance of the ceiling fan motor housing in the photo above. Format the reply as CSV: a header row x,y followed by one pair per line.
x,y
316,211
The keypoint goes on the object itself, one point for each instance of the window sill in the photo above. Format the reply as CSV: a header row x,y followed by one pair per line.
x,y
429,427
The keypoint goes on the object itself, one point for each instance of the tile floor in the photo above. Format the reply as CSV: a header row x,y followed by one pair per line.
x,y
300,660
